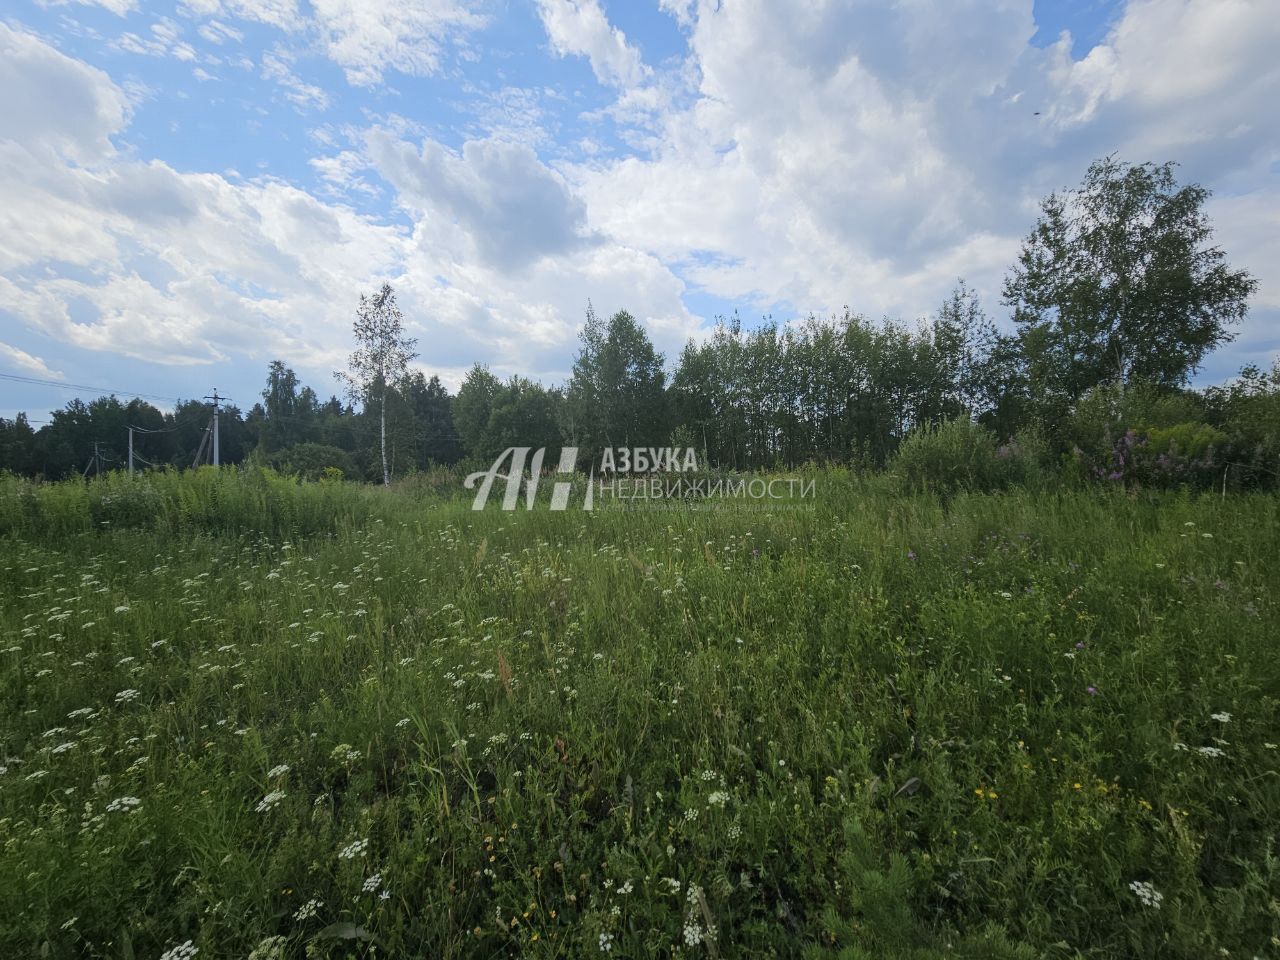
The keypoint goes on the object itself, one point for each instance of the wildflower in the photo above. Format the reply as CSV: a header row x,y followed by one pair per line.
x,y
372,883
277,771
1091,691
357,848
271,948
606,942
1148,894
270,801
1220,717
718,799
183,951
308,909
692,933
124,696
124,805
1210,752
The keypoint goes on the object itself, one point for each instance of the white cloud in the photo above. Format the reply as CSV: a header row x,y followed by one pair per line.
x,y
869,154
580,28
21,360
368,37
277,65
217,32
165,41
65,106
282,14
119,7
496,194
132,258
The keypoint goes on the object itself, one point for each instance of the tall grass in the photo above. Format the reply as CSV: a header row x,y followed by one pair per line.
x,y
888,726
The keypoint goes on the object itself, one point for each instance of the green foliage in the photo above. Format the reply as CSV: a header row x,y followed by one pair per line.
x,y
1118,281
491,415
874,729
616,395
962,455
311,461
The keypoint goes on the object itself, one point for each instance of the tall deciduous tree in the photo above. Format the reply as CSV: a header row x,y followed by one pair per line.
x,y
1119,281
381,358
617,392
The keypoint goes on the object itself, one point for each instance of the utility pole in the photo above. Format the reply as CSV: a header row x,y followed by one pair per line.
x,y
97,460
131,451
216,400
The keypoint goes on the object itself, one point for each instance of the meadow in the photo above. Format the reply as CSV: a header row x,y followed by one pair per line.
x,y
247,717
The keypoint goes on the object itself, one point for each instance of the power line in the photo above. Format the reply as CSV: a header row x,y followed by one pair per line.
x,y
105,391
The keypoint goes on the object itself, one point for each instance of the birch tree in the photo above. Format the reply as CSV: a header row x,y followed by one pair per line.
x,y
381,358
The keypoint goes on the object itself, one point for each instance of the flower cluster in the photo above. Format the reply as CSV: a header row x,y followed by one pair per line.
x,y
1148,894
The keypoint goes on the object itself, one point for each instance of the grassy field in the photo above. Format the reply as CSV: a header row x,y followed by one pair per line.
x,y
254,719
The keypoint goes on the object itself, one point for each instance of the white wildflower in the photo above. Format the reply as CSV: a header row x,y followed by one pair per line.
x,y
271,948
1220,717
124,805
183,951
692,933
270,801
277,771
357,848
308,909
1148,894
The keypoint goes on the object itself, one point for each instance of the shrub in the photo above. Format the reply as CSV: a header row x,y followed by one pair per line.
x,y
1185,453
962,455
314,461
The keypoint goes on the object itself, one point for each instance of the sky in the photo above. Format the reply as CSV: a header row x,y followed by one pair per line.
x,y
189,191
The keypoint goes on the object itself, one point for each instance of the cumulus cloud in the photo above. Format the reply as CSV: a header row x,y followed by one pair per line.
x,y
17,359
799,160
496,193
845,153
54,103
580,28
112,254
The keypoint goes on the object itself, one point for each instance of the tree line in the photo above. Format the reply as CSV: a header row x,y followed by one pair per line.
x,y
1116,297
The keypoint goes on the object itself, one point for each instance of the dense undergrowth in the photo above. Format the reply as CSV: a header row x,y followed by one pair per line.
x,y
279,720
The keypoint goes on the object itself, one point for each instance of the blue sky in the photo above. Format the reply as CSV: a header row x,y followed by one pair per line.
x,y
191,190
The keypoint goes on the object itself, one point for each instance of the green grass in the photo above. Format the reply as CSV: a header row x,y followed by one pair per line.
x,y
883,727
